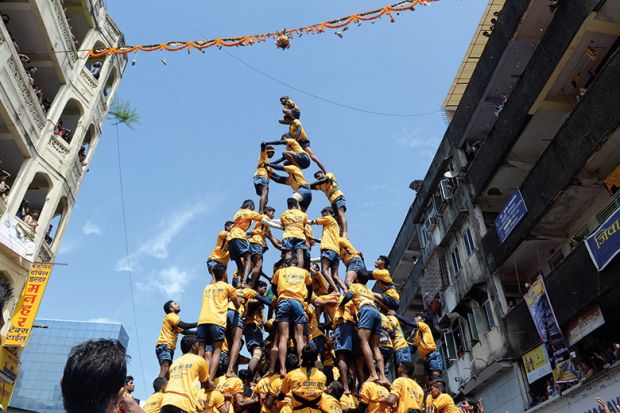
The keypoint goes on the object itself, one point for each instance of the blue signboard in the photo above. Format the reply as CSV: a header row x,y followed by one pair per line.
x,y
604,244
510,215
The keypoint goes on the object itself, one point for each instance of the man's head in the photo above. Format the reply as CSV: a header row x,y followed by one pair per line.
x,y
261,288
436,388
269,211
383,262
419,317
189,344
309,355
171,306
5,18
284,99
405,368
94,377
159,384
130,386
362,277
319,175
245,376
292,203
327,211
228,225
219,272
315,267
290,262
248,204
292,362
335,389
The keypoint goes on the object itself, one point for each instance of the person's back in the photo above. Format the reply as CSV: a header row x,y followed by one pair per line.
x,y
329,404
215,300
294,221
306,386
180,393
373,396
292,283
408,393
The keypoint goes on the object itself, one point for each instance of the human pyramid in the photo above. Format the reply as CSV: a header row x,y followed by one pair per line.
x,y
327,344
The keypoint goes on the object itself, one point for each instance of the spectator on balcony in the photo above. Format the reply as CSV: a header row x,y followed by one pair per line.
x,y
32,220
24,209
82,155
4,190
46,105
4,173
95,69
6,19
39,92
30,71
62,132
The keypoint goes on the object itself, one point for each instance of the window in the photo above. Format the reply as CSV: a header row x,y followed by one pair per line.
x,y
469,242
449,346
473,328
443,271
423,236
481,320
456,259
487,310
459,339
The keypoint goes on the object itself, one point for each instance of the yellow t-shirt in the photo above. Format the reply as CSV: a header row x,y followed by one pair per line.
x,y
385,283
292,283
293,146
331,233
408,393
330,188
289,104
349,402
361,296
296,131
261,169
256,317
294,222
442,404
344,314
243,218
153,403
169,330
220,252
370,394
399,341
313,325
424,340
263,388
347,251
295,177
276,388
210,402
329,404
215,300
184,372
308,385
259,234
228,385
386,330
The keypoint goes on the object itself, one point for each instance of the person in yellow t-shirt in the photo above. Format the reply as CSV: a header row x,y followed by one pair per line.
x,y
258,244
181,394
386,345
330,403
294,221
212,401
349,403
425,344
253,331
326,182
440,402
290,107
389,298
373,398
296,131
153,403
261,176
233,387
307,383
171,326
213,316
294,153
405,393
330,248
352,259
293,286
220,251
402,352
296,180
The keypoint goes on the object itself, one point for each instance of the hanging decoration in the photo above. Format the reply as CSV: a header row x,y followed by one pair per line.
x,y
282,38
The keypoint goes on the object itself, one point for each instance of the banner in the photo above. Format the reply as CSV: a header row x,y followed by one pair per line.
x,y
511,214
585,323
16,238
28,305
604,244
549,331
9,365
536,364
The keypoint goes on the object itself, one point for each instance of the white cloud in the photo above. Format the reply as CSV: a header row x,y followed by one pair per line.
x,y
415,139
157,246
168,282
103,320
90,228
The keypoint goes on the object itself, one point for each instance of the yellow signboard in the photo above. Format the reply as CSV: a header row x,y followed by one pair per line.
x,y
536,364
28,305
9,365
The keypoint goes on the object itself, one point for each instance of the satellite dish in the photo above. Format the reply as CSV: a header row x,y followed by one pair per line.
x,y
451,174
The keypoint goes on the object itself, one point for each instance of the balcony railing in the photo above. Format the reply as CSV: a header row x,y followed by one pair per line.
x,y
598,218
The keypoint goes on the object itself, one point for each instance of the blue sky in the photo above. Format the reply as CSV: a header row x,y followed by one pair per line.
x,y
189,165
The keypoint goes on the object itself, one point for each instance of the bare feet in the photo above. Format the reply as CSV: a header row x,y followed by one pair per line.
x,y
230,374
269,373
384,382
372,378
282,373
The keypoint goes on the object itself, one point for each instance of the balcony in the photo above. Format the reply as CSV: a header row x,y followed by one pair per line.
x,y
598,218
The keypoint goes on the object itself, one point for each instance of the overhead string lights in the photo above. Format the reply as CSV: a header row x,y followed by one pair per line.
x,y
282,38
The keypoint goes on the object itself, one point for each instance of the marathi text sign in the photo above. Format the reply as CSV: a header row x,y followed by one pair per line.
x,y
536,364
549,331
604,244
15,237
28,305
511,214
9,365
587,321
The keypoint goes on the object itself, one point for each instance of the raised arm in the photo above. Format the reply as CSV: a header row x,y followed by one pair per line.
x,y
184,326
277,178
314,185
274,166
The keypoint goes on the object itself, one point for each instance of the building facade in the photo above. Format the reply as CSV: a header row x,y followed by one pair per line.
x,y
43,361
528,168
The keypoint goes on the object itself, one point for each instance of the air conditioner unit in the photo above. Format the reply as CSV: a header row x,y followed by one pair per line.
x,y
431,223
446,187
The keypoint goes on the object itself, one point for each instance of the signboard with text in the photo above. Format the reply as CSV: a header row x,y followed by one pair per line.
x,y
604,244
510,215
536,364
585,323
16,238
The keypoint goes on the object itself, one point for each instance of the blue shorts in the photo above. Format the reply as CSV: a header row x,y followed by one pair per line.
x,y
433,362
304,143
306,194
403,355
369,318
260,180
356,264
332,256
319,342
211,333
390,302
292,244
233,319
238,247
296,113
345,337
164,353
256,249
253,336
302,159
211,264
386,352
291,311
340,202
